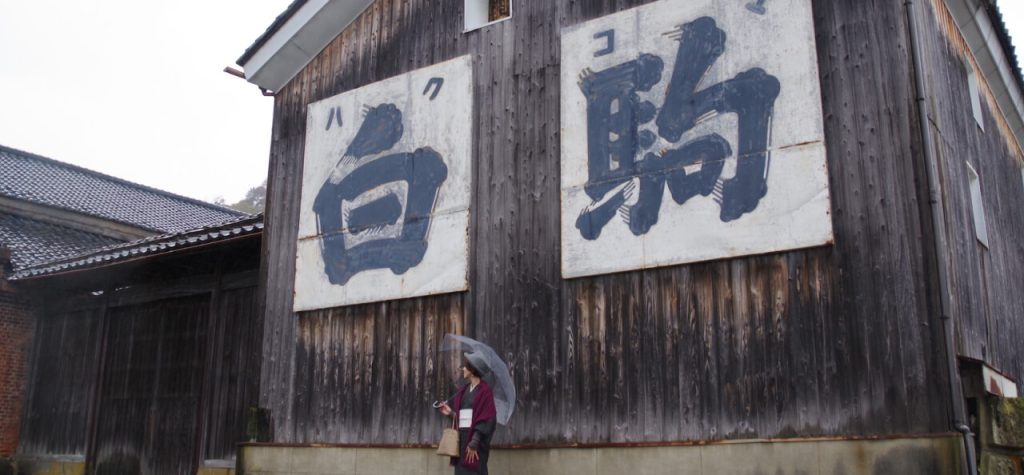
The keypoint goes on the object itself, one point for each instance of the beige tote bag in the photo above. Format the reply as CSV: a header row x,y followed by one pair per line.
x,y
449,445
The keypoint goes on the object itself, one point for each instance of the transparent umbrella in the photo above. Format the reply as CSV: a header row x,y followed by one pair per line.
x,y
497,376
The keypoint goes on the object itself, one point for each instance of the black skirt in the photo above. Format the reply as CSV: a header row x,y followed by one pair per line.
x,y
484,451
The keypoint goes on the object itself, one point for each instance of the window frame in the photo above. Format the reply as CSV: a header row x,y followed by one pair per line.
x,y
473,10
974,89
977,205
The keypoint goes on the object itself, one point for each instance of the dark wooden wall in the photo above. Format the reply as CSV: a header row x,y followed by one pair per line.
x,y
988,283
838,340
151,387
58,398
155,373
235,375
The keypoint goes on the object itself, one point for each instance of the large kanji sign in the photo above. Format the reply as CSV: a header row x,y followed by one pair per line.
x,y
386,190
691,131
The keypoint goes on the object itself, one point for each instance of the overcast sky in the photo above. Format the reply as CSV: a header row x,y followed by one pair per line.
x,y
135,88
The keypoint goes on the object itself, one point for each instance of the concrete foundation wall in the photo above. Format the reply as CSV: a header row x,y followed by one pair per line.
x,y
47,467
73,467
924,456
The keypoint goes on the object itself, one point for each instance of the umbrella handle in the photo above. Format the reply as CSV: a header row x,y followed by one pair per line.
x,y
437,404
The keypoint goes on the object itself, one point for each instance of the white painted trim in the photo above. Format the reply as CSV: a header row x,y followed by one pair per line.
x,y
284,34
975,92
977,205
300,39
466,20
485,25
474,14
996,383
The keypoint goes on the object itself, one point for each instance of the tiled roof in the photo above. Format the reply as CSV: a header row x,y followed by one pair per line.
x,y
32,242
146,247
41,180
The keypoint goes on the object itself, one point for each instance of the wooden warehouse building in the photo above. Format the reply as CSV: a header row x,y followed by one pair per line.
x,y
707,236
836,265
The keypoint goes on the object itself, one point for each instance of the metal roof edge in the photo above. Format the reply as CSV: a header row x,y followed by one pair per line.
x,y
296,37
270,31
996,16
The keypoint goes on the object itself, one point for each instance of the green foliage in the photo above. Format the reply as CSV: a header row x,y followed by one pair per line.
x,y
254,200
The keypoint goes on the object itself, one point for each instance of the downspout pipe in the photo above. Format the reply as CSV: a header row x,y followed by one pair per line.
x,y
939,245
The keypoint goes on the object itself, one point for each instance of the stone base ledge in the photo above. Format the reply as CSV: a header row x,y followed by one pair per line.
x,y
926,455
55,466
76,466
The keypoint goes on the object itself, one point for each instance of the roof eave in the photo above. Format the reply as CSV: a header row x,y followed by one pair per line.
x,y
986,43
289,45
150,247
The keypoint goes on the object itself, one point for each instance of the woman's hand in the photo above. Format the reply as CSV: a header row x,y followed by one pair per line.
x,y
445,409
471,455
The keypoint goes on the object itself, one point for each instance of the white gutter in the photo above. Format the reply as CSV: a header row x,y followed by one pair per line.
x,y
299,40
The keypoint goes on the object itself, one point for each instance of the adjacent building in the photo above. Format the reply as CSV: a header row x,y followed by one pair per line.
x,y
58,336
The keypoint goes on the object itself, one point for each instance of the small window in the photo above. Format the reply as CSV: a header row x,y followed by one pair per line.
x,y
977,206
972,86
480,13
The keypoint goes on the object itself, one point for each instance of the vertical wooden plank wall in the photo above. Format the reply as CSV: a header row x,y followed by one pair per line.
x,y
150,391
62,382
234,377
837,340
988,291
380,44
154,372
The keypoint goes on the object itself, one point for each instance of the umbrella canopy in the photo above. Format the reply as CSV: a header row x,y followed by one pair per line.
x,y
496,371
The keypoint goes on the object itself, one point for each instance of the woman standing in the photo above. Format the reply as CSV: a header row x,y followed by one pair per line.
x,y
474,403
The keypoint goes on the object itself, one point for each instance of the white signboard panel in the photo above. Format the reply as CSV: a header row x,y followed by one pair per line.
x,y
691,131
386,190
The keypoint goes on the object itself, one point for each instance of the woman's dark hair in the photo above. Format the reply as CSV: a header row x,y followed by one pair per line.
x,y
471,368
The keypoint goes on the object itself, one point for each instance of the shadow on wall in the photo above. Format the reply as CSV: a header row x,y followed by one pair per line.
x,y
909,461
119,464
902,461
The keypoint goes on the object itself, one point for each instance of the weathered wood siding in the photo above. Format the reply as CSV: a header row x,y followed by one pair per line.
x,y
988,283
151,387
234,375
352,391
828,341
58,399
151,375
